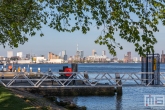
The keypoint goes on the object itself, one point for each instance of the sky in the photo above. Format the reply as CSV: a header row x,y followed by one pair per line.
x,y
54,41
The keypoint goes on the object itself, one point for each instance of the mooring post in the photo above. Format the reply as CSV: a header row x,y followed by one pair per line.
x,y
30,69
39,70
74,67
119,84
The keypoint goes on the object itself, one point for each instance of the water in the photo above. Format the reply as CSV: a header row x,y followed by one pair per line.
x,y
132,98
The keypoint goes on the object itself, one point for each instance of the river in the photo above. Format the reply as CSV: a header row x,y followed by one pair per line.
x,y
132,98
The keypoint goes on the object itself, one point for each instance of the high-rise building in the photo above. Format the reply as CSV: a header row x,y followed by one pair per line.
x,y
19,54
81,53
65,57
162,57
52,56
103,53
94,53
129,56
125,60
9,54
63,53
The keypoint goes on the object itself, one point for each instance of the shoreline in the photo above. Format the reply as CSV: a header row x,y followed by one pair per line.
x,y
38,101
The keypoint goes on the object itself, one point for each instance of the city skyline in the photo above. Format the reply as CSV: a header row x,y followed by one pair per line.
x,y
61,54
55,42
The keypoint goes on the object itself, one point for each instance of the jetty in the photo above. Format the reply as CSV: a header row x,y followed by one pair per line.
x,y
69,81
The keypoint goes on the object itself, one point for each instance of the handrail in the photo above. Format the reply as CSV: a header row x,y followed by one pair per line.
x,y
77,79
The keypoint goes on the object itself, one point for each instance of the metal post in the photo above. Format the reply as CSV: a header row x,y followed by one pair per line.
x,y
74,67
153,69
147,69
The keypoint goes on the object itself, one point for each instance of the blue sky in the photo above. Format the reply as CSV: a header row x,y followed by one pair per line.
x,y
55,42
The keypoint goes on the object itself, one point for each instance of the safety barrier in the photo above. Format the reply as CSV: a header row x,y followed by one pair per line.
x,y
77,79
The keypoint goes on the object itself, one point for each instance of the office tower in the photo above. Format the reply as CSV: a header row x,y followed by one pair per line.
x,y
162,57
65,57
129,56
93,52
103,53
125,58
52,56
63,53
19,54
81,53
9,54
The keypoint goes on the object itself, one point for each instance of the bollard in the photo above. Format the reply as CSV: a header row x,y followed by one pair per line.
x,y
38,70
30,69
118,88
24,69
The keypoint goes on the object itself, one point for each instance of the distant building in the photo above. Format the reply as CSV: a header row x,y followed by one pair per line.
x,y
103,53
52,56
125,60
9,54
63,53
27,56
56,61
80,53
162,57
129,56
135,59
96,58
38,59
115,59
140,59
93,52
43,56
14,58
20,54
65,58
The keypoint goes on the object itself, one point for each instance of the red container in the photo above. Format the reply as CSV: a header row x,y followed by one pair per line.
x,y
68,70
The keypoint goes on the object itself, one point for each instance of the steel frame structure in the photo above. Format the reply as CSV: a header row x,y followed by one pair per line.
x,y
96,79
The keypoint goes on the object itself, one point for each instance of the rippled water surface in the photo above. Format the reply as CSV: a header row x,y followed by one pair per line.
x,y
132,98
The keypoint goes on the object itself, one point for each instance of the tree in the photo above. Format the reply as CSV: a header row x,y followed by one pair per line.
x,y
111,15
18,18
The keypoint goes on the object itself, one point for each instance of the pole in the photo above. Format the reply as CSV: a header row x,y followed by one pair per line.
x,y
153,69
147,69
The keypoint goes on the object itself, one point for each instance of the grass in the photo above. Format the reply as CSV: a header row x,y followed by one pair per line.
x,y
9,101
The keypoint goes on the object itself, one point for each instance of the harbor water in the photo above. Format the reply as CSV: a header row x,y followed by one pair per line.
x,y
132,98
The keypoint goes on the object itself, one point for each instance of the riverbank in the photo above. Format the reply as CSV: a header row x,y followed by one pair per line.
x,y
15,99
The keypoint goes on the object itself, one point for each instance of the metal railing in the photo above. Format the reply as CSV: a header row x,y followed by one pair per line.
x,y
77,79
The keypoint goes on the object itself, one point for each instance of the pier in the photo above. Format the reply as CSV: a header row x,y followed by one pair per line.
x,y
77,79
78,83
68,81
